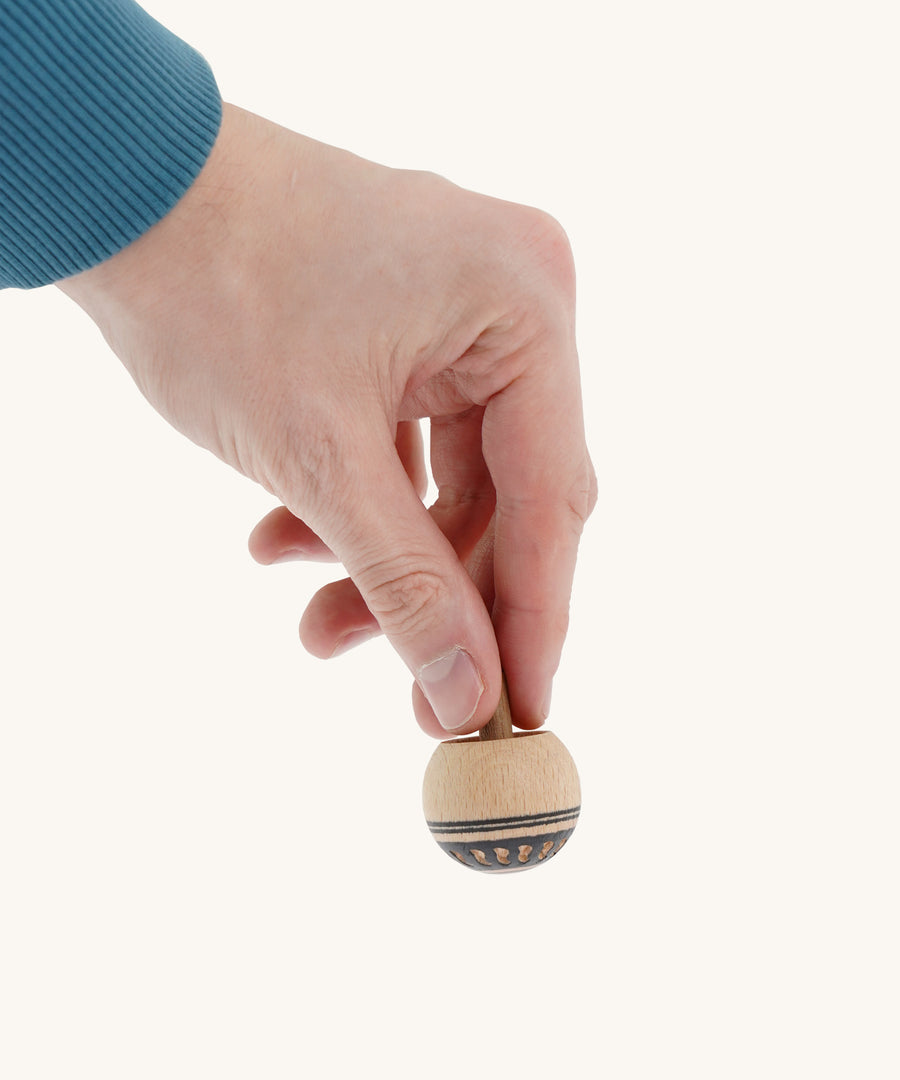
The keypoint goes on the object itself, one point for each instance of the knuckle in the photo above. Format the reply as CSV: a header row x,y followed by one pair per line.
x,y
400,598
579,510
548,244
579,499
583,500
305,464
573,504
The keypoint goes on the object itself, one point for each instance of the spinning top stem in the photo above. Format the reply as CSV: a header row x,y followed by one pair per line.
x,y
500,724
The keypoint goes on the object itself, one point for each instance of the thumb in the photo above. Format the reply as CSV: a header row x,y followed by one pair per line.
x,y
417,589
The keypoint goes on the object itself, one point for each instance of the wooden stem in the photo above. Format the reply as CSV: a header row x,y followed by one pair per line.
x,y
500,724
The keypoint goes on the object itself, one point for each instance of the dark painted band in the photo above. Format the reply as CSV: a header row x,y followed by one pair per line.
x,y
498,856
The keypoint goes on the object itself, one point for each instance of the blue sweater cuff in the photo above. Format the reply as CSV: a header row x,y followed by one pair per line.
x,y
106,118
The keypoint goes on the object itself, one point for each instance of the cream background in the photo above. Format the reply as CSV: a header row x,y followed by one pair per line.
x,y
212,860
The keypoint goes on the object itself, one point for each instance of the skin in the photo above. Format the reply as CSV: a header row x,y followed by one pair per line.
x,y
297,313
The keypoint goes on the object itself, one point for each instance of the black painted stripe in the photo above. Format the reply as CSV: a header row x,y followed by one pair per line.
x,y
473,830
489,824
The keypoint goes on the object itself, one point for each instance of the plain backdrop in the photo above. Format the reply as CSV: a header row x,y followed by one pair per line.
x,y
212,856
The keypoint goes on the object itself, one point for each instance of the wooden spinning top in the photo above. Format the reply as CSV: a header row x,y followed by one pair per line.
x,y
502,801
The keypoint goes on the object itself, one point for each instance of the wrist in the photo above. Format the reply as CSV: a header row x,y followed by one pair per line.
x,y
175,248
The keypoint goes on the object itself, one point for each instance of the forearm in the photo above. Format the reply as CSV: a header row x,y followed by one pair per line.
x,y
107,118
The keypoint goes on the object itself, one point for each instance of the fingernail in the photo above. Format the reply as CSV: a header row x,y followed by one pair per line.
x,y
453,688
351,640
545,708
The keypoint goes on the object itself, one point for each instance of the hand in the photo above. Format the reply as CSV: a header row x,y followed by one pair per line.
x,y
297,313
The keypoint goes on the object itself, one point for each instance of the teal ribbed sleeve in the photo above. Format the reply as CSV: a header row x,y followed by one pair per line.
x,y
106,118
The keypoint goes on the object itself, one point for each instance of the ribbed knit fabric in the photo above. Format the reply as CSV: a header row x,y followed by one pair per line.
x,y
106,118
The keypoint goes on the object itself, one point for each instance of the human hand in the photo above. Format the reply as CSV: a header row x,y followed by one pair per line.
x,y
297,313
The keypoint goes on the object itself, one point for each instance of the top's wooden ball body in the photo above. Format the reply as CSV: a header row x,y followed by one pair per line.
x,y
502,804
